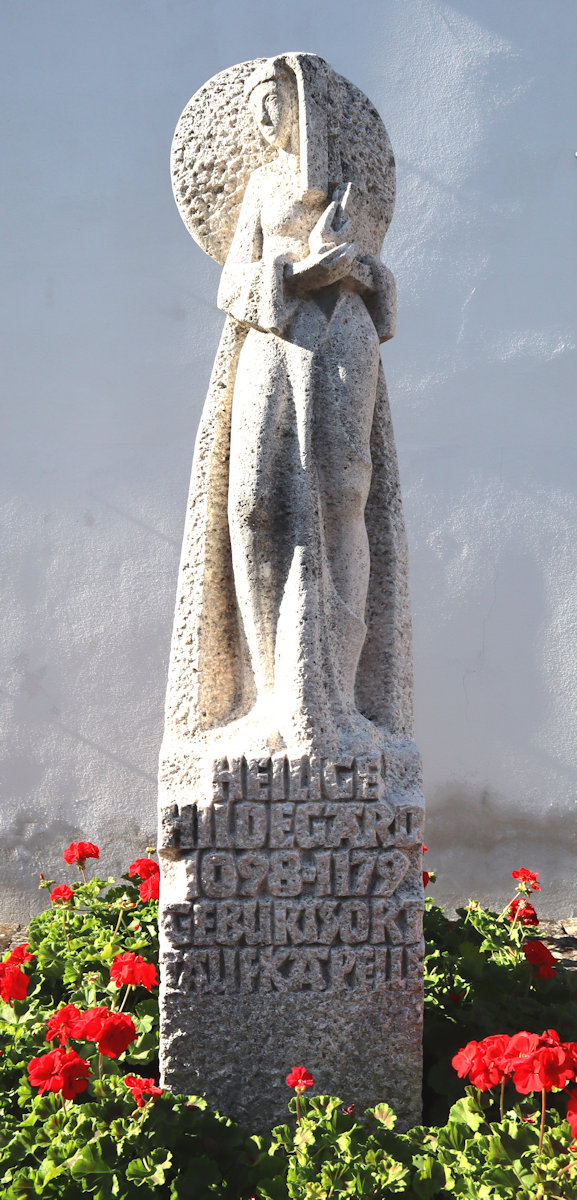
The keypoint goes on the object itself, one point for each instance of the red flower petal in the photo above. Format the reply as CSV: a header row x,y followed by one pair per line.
x,y
61,894
540,958
141,1088
78,852
13,982
132,969
20,955
144,868
63,1024
528,877
89,1025
118,1031
527,914
299,1079
149,888
59,1072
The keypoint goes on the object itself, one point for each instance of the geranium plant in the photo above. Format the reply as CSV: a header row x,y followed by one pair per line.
x,y
82,1110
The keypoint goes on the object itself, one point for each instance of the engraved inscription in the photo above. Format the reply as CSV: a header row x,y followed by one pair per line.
x,y
293,876
315,969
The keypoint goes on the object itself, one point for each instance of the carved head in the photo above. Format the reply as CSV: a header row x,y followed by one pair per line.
x,y
275,105
293,110
336,135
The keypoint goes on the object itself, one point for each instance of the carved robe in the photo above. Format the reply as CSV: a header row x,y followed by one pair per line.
x,y
295,439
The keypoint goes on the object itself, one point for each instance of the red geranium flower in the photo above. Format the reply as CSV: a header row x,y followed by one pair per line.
x,y
75,1072
141,1088
572,1112
550,1037
540,958
149,888
61,894
299,1079
143,868
58,1071
571,1048
132,969
487,1070
44,1072
63,1024
527,877
426,878
546,1068
538,1062
482,1061
521,1045
465,1059
78,852
90,1024
20,955
526,912
13,982
118,1031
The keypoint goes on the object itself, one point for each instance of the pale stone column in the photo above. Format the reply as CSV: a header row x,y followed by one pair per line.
x,y
291,812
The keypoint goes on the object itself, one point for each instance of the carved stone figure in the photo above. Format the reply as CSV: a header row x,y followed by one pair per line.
x,y
291,812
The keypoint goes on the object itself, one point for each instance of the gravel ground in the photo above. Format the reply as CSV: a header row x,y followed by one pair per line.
x,y
561,939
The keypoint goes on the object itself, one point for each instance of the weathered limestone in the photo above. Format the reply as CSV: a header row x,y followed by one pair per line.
x,y
291,812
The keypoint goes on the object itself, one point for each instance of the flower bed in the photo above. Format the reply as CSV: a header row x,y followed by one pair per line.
x,y
82,1112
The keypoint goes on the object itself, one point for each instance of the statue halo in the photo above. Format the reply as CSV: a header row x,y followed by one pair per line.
x,y
216,148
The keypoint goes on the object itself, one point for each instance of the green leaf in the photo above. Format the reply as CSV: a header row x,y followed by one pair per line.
x,y
150,1170
384,1114
48,1171
431,1178
304,1136
21,1188
272,1189
92,1158
198,1180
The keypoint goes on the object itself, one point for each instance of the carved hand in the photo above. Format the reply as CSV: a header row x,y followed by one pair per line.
x,y
330,256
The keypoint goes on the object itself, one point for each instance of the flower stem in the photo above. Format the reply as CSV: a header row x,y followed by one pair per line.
x,y
99,1066
501,1097
64,927
83,873
541,1131
298,1108
128,987
506,909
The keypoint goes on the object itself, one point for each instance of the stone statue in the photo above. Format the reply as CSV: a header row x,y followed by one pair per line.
x,y
288,725
302,535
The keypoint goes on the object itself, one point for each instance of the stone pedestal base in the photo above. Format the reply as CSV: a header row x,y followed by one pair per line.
x,y
291,930
238,1052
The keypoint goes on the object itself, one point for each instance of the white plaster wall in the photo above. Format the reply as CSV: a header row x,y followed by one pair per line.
x,y
110,326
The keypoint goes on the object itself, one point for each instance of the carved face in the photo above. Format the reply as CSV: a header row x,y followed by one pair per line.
x,y
275,105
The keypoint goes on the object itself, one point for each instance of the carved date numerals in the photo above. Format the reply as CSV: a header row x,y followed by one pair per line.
x,y
221,874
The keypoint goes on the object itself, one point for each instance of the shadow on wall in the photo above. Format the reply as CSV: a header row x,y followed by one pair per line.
x,y
476,837
494,663
31,845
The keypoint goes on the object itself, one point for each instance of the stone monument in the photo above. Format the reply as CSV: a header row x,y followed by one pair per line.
x,y
291,813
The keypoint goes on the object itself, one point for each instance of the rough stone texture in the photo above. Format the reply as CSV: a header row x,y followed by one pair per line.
x,y
10,933
291,931
217,146
290,793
